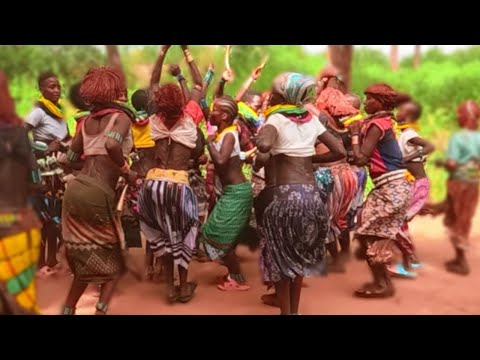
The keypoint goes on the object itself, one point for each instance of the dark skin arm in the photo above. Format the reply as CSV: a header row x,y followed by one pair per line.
x,y
449,165
260,161
197,78
113,147
176,71
157,69
248,83
221,157
266,138
226,77
363,152
427,148
205,85
113,58
337,151
77,147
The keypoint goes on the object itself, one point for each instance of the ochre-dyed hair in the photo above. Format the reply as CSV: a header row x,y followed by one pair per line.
x,y
386,95
468,113
169,101
102,85
7,105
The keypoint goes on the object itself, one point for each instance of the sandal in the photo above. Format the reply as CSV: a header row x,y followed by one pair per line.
x,y
373,291
400,272
68,310
417,265
231,285
191,291
102,307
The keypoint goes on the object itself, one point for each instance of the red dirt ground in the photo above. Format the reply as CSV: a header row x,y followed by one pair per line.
x,y
434,291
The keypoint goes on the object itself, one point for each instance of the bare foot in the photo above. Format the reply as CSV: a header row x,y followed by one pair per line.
x,y
270,300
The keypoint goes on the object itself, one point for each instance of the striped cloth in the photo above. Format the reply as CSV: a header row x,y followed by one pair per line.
x,y
169,219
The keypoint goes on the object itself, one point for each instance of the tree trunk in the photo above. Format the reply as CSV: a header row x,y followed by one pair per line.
x,y
416,57
113,59
341,57
394,57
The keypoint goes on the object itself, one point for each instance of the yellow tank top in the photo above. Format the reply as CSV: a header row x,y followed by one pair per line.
x,y
142,137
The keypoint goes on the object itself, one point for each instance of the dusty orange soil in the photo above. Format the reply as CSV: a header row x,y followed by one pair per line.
x,y
434,291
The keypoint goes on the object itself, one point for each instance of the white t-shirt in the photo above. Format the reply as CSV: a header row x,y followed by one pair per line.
x,y
46,128
406,148
295,139
236,148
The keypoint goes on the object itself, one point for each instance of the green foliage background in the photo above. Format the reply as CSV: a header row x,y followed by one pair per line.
x,y
439,84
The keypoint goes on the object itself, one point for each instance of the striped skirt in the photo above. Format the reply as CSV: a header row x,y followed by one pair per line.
x,y
169,219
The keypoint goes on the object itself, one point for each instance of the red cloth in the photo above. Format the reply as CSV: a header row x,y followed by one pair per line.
x,y
333,101
195,111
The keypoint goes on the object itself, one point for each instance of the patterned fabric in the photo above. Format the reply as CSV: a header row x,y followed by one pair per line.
x,y
420,190
169,219
340,200
92,231
296,227
294,88
197,182
359,198
379,251
229,217
250,115
461,204
324,179
260,203
19,253
385,210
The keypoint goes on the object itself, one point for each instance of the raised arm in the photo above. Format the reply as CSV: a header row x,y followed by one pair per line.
x,y
176,72
226,77
249,82
114,61
157,69
197,78
207,80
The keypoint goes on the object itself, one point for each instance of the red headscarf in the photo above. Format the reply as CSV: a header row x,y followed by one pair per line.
x,y
333,101
386,95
